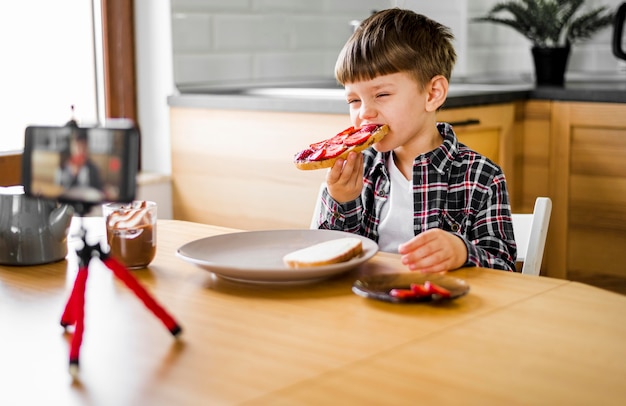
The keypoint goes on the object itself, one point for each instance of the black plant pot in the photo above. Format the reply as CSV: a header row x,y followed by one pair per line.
x,y
550,65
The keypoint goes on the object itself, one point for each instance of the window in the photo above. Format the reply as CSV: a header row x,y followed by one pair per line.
x,y
48,65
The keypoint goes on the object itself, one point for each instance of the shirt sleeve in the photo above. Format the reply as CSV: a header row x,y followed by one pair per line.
x,y
336,216
491,243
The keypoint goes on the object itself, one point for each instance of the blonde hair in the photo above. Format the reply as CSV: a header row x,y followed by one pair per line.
x,y
397,40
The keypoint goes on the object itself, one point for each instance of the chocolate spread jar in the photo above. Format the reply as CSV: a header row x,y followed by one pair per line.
x,y
131,232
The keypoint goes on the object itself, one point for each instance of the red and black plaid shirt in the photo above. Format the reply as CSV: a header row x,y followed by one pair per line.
x,y
454,188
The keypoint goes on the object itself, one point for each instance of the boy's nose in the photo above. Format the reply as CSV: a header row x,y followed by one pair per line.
x,y
367,112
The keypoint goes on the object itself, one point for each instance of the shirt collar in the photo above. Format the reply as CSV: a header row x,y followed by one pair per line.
x,y
380,161
442,157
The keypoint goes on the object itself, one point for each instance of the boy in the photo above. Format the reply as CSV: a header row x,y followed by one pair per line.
x,y
418,191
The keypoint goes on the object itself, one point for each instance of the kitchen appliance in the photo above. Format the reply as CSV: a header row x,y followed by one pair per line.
x,y
33,230
618,32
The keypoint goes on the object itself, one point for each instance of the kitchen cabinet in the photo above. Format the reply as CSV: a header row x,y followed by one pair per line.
x,y
587,183
234,168
490,130
572,152
532,153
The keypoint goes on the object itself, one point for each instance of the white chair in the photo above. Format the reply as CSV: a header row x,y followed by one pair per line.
x,y
318,206
531,231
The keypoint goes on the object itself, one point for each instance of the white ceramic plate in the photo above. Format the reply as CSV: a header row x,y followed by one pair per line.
x,y
257,256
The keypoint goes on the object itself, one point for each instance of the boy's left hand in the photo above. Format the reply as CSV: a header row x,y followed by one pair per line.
x,y
434,250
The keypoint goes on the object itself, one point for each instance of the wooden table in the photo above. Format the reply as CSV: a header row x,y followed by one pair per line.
x,y
513,339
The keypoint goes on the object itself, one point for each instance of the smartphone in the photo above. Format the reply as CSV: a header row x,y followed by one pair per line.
x,y
87,165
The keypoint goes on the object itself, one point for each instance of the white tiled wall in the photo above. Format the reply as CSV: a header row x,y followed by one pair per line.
x,y
216,41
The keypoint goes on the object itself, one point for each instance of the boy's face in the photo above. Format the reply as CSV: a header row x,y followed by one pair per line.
x,y
395,100
79,152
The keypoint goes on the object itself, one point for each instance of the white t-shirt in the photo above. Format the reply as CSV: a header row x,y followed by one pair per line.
x,y
396,224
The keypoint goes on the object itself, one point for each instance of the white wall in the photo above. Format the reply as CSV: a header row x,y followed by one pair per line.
x,y
215,41
155,81
47,66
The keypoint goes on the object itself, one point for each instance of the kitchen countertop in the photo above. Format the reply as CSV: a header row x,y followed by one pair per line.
x,y
600,91
325,96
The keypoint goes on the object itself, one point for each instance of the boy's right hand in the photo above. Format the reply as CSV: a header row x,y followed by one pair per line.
x,y
345,178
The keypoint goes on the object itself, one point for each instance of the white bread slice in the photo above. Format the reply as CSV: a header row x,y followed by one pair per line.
x,y
325,253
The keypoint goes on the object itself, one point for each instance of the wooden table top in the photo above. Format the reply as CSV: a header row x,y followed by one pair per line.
x,y
514,339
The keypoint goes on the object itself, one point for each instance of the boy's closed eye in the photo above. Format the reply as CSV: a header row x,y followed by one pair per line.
x,y
378,95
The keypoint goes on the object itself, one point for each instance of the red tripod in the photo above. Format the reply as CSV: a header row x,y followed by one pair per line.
x,y
74,313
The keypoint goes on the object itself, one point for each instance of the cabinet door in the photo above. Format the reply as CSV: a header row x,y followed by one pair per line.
x,y
235,168
485,141
488,130
588,190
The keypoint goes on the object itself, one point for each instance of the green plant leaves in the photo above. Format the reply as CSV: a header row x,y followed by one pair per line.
x,y
549,23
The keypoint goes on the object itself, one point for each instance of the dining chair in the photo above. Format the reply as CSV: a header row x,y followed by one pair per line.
x,y
530,232
318,204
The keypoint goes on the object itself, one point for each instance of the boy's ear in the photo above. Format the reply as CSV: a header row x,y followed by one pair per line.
x,y
437,91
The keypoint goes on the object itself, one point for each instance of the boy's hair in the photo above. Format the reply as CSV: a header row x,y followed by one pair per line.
x,y
397,40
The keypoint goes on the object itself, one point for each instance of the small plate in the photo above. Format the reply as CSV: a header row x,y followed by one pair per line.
x,y
257,256
378,286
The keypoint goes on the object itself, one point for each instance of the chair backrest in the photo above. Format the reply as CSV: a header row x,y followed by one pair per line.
x,y
318,206
531,231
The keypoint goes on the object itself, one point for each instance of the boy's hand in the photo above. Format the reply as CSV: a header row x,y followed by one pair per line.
x,y
345,178
434,250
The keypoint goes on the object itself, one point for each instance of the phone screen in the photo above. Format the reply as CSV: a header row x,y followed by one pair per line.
x,y
81,164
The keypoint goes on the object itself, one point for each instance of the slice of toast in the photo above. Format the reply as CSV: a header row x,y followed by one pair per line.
x,y
377,135
325,253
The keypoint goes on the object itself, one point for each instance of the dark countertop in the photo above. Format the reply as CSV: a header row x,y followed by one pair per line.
x,y
325,96
602,92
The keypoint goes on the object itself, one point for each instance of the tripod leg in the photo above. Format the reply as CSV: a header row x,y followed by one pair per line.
x,y
123,274
77,301
69,314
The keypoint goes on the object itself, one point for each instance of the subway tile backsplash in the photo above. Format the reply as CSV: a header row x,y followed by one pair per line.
x,y
216,41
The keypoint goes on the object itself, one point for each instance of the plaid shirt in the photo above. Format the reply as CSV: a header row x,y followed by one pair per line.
x,y
454,188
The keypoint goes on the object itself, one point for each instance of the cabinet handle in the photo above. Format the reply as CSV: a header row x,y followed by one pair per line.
x,y
469,121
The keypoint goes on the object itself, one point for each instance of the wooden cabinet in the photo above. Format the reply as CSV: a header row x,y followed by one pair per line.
x,y
234,168
574,153
489,130
532,152
588,188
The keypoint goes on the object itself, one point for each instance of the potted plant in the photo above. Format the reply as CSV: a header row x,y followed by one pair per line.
x,y
552,26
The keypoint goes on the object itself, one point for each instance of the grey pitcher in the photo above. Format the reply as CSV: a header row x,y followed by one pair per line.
x,y
33,230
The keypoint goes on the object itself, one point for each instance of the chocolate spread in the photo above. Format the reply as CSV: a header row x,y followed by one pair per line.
x,y
131,234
